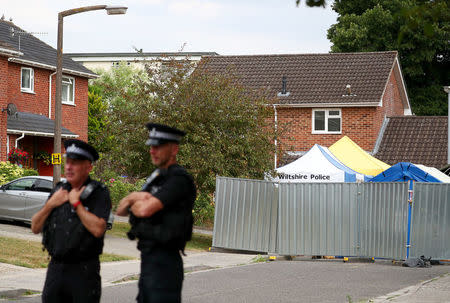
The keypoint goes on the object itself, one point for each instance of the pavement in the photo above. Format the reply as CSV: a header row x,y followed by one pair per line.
x,y
15,280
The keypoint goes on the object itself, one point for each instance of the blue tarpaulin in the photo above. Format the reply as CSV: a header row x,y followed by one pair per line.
x,y
404,171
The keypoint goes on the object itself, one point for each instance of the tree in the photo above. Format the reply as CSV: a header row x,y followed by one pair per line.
x,y
97,120
419,30
226,127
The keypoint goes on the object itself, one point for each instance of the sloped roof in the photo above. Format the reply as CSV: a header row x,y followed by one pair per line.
x,y
35,51
416,139
35,124
311,78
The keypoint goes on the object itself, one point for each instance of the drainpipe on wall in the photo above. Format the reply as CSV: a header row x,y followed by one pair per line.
x,y
18,139
276,127
447,90
50,95
7,146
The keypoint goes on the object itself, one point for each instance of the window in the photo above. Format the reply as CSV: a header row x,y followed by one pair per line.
x,y
23,184
27,80
43,185
326,121
67,94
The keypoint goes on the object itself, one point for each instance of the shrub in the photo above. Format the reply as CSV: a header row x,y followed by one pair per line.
x,y
10,171
203,211
29,172
120,187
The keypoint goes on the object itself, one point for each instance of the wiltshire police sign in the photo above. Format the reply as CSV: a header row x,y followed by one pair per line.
x,y
305,177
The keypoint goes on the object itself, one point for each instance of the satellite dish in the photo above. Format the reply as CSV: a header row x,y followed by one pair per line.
x,y
10,109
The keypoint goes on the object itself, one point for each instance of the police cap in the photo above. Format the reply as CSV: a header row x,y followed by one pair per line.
x,y
160,134
77,149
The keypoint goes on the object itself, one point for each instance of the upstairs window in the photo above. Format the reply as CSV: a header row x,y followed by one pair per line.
x,y
327,121
27,80
67,94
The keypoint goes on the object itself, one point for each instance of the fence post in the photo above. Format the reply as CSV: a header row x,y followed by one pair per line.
x,y
410,200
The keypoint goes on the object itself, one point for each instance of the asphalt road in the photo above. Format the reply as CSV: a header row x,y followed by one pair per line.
x,y
288,281
278,281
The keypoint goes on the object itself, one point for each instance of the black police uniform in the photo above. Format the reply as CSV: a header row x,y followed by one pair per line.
x,y
162,236
73,274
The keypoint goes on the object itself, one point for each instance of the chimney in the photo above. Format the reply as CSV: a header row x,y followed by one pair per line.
x,y
284,92
349,89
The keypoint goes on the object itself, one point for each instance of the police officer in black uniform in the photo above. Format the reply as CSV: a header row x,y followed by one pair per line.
x,y
73,222
161,218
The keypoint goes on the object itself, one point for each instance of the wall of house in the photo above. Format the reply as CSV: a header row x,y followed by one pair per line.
x,y
3,102
361,124
74,117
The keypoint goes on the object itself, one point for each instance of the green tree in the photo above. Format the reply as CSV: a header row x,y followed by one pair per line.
x,y
226,127
419,30
97,120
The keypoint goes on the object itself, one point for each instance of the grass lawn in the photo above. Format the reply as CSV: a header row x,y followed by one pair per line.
x,y
30,254
199,242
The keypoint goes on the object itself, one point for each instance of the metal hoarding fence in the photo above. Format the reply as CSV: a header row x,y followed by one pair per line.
x,y
335,219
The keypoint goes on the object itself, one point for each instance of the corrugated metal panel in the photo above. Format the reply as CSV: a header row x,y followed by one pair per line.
x,y
245,214
383,220
317,219
431,221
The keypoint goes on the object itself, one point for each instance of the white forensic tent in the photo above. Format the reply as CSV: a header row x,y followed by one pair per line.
x,y
317,165
435,173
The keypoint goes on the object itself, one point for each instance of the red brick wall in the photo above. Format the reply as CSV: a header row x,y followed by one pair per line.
x,y
361,124
3,102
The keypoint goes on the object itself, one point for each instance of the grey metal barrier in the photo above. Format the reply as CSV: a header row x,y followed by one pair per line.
x,y
338,219
383,217
317,219
430,233
245,214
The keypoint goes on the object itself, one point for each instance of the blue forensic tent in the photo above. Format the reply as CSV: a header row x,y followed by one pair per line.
x,y
404,171
317,165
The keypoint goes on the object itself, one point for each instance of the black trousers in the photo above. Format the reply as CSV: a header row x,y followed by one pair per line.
x,y
74,283
161,276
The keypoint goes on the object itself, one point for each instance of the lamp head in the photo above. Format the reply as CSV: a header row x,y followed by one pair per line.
x,y
116,10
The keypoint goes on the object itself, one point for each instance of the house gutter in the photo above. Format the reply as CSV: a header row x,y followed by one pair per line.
x,y
37,134
322,105
10,52
50,95
51,67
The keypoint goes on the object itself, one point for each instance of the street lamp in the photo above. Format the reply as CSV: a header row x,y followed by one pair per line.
x,y
111,10
447,90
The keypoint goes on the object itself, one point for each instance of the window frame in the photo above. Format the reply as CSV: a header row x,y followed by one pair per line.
x,y
327,117
29,89
65,83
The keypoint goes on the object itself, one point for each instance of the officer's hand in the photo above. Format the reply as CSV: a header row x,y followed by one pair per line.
x,y
74,195
59,197
128,201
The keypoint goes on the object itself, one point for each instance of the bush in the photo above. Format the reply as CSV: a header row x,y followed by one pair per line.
x,y
9,172
203,211
29,172
120,187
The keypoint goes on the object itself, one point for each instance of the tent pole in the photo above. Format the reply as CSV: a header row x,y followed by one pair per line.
x,y
410,200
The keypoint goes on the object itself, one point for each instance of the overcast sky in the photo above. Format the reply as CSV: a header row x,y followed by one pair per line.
x,y
228,27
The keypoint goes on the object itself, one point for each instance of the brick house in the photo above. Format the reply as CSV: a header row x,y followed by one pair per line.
x,y
322,97
27,83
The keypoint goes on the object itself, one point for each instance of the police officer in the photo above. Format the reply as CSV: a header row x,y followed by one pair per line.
x,y
161,218
73,222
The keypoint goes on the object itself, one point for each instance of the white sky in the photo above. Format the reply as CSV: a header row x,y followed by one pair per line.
x,y
233,27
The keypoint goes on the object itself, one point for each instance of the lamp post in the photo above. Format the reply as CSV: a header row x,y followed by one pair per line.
x,y
447,90
111,10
